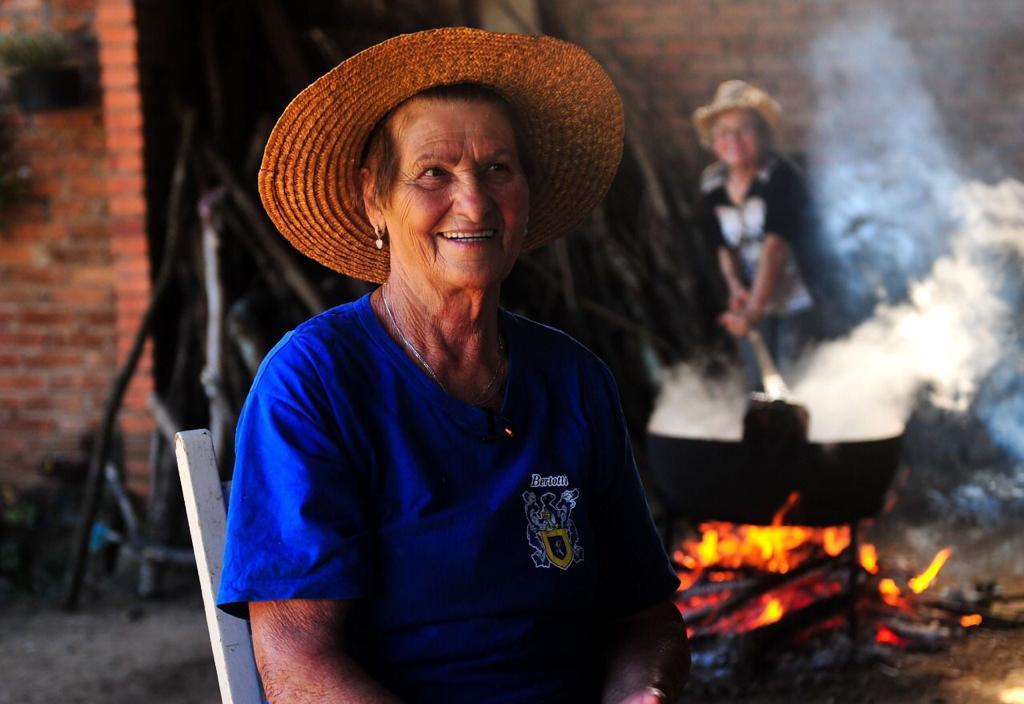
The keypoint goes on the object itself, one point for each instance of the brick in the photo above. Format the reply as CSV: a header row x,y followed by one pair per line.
x,y
93,275
17,253
125,162
78,381
133,269
79,296
127,205
25,425
125,139
112,55
35,231
55,360
133,307
121,246
128,227
68,118
114,13
113,77
121,99
126,183
113,34
122,119
688,46
90,186
22,381
74,208
72,164
126,327
22,338
46,317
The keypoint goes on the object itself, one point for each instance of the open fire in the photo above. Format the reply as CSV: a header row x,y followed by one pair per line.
x,y
749,591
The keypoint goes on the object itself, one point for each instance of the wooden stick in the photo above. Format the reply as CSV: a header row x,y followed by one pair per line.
x,y
282,43
101,449
212,376
269,240
166,423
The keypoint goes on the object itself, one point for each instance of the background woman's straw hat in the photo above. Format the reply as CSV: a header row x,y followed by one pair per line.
x,y
571,113
730,96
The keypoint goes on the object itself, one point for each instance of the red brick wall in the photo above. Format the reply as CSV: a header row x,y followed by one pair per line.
x,y
122,117
970,56
73,260
56,301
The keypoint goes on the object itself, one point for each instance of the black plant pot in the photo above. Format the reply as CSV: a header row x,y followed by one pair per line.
x,y
47,88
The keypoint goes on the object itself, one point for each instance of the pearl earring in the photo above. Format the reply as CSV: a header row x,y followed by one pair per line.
x,y
381,233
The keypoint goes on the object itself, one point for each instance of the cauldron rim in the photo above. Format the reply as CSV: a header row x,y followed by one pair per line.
x,y
727,480
813,442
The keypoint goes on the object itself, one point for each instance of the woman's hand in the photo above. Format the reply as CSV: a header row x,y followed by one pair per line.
x,y
739,297
648,695
736,324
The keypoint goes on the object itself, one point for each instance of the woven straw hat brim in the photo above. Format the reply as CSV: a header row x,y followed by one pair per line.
x,y
571,113
747,97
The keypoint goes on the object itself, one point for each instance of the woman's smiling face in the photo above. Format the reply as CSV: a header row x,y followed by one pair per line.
x,y
737,139
456,212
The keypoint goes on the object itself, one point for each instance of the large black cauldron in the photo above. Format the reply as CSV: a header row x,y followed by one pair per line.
x,y
723,480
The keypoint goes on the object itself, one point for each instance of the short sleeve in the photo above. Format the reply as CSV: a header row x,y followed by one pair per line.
x,y
788,204
296,527
635,572
709,224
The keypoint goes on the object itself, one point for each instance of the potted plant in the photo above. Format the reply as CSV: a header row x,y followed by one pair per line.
x,y
39,70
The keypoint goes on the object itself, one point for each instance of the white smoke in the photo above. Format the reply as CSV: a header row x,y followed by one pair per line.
x,y
945,339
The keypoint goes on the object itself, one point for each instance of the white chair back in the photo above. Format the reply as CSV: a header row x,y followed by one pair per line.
x,y
207,518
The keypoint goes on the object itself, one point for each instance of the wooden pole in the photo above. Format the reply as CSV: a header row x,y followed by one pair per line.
x,y
212,376
101,449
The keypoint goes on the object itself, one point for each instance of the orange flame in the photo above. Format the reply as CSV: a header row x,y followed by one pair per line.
x,y
970,620
889,591
775,548
772,612
780,515
835,540
922,581
869,558
887,636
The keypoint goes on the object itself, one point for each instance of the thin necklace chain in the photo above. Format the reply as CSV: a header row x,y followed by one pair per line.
x,y
426,365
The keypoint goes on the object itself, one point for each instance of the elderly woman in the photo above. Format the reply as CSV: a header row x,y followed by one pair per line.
x,y
434,499
755,211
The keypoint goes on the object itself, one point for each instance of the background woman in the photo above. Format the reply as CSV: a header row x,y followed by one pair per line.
x,y
435,500
755,210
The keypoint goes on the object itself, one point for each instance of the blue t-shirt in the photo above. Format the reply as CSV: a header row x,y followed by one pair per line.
x,y
486,552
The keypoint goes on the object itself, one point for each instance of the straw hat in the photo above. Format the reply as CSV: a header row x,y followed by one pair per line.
x,y
730,96
571,113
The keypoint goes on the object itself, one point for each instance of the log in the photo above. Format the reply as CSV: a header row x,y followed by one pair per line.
x,y
767,583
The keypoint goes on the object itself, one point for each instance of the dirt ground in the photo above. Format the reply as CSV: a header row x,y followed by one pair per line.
x,y
155,652
115,651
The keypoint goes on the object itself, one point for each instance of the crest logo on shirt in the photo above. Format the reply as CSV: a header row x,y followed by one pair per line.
x,y
550,530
